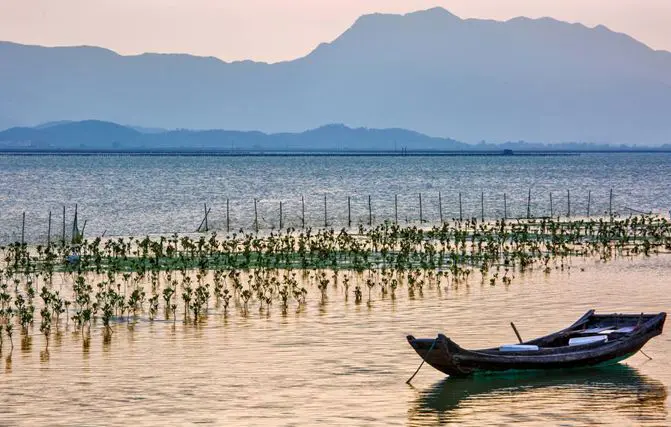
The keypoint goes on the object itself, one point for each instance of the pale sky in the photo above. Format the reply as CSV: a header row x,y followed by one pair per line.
x,y
275,30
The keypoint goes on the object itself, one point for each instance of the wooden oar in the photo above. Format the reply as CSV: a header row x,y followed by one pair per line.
x,y
516,333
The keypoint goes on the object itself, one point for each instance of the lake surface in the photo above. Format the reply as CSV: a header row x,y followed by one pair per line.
x,y
151,195
342,363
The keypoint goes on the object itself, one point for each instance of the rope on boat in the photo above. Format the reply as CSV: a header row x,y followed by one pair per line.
x,y
423,360
641,351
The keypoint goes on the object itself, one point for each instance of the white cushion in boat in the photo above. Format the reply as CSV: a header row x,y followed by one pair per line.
x,y
518,347
587,340
595,330
626,329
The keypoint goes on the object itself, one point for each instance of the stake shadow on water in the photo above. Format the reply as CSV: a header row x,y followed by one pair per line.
x,y
619,388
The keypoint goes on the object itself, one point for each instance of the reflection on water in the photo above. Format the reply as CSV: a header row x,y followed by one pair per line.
x,y
345,364
617,392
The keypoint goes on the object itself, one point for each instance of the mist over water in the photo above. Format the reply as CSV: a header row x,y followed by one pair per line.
x,y
150,195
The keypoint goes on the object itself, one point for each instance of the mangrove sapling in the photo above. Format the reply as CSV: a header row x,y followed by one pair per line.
x,y
45,324
370,284
323,286
9,325
153,306
168,292
226,297
357,294
187,296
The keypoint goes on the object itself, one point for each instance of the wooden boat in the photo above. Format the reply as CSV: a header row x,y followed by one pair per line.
x,y
593,340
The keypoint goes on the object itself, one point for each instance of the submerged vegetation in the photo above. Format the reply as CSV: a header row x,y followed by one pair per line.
x,y
99,283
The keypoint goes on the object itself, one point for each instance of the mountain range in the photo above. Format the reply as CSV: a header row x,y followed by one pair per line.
x,y
430,71
94,135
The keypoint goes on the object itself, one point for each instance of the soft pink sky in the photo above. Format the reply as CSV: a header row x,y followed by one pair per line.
x,y
275,30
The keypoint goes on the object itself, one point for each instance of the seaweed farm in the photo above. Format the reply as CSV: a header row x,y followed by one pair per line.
x,y
304,322
124,278
285,313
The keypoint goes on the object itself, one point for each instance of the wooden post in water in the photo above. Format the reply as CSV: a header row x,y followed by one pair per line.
x,y
228,218
256,217
551,211
505,207
75,227
482,206
589,200
610,203
461,216
63,240
280,215
370,213
421,219
23,228
529,205
325,215
568,203
396,208
205,206
49,231
302,211
349,211
440,207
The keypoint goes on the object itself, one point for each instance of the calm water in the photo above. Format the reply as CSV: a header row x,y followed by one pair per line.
x,y
346,364
140,195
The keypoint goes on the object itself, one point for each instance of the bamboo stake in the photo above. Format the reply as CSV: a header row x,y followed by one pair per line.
x,y
280,214
589,200
325,215
551,212
23,228
568,201
63,240
75,228
440,207
482,206
370,212
461,216
610,203
205,206
303,211
529,205
396,208
349,211
228,219
505,207
421,220
256,217
49,231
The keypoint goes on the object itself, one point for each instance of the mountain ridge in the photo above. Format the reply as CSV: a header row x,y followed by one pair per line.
x,y
470,79
95,135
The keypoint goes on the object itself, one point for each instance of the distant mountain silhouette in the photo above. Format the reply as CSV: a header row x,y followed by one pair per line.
x,y
99,135
472,80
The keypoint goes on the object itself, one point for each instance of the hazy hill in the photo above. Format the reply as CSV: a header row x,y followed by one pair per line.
x,y
524,79
98,135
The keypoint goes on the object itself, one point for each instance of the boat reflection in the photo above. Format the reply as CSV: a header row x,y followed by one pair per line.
x,y
615,394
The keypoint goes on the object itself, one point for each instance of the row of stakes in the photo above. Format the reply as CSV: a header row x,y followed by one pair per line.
x,y
204,223
77,234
